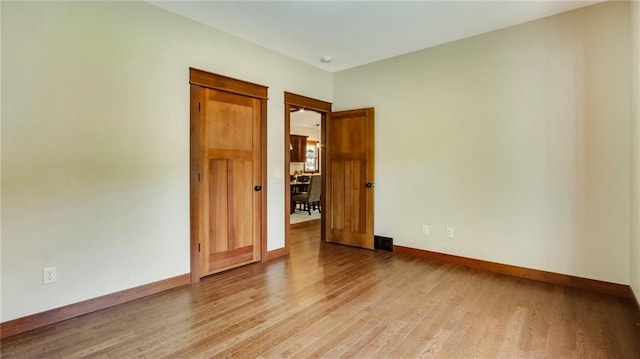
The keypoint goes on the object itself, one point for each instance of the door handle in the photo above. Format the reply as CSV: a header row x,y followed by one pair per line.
x,y
369,185
257,188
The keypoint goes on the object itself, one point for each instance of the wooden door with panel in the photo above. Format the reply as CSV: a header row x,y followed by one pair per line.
x,y
230,153
350,181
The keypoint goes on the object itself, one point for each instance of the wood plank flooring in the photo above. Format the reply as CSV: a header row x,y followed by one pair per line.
x,y
332,301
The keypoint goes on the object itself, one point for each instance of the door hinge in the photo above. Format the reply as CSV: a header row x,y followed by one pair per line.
x,y
198,246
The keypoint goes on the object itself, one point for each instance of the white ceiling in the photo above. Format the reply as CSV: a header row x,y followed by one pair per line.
x,y
306,118
359,32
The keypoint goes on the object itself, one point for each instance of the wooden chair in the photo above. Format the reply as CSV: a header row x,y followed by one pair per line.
x,y
312,196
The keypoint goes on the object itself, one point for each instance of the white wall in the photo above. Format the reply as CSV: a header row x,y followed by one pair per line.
x,y
95,143
635,136
519,139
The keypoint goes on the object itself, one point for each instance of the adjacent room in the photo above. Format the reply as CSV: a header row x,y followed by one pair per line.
x,y
494,144
304,167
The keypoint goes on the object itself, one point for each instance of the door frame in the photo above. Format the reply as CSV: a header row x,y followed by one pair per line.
x,y
324,108
199,78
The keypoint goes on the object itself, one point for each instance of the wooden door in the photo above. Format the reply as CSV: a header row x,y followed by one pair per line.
x,y
349,176
230,165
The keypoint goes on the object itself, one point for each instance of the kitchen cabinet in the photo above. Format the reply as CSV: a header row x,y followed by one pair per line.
x,y
298,148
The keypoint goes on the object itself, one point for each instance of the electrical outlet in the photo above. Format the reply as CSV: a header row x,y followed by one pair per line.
x,y
450,232
425,229
48,275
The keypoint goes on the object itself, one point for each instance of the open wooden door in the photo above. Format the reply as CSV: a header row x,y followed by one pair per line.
x,y
227,128
350,178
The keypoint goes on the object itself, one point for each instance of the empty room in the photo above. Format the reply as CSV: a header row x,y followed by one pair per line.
x,y
468,183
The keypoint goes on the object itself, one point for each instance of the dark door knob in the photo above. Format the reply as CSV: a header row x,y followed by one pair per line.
x,y
369,184
257,188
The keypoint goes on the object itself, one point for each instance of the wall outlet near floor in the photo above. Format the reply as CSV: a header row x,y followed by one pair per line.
x,y
450,232
425,229
48,275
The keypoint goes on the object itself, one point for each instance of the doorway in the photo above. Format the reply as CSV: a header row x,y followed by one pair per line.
x,y
304,168
306,112
347,166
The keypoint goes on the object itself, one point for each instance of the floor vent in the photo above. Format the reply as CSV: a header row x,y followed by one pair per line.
x,y
383,243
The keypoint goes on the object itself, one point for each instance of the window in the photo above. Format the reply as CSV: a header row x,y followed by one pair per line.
x,y
311,163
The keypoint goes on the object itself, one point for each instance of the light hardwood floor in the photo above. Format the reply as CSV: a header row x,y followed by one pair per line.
x,y
332,301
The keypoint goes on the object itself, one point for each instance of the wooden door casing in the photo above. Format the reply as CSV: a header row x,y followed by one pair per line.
x,y
228,161
349,173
